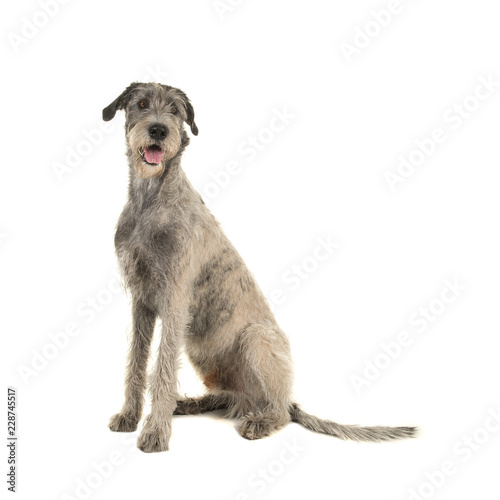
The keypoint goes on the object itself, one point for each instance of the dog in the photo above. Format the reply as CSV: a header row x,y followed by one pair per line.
x,y
180,268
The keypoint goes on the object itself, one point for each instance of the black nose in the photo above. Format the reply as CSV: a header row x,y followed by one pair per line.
x,y
158,131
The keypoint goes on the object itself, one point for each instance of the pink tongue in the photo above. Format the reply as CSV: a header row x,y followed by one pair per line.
x,y
153,155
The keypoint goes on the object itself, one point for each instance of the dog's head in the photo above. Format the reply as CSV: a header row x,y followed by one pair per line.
x,y
154,124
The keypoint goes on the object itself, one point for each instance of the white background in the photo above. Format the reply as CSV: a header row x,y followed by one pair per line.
x,y
322,176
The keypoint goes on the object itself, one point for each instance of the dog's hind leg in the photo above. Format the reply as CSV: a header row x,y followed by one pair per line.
x,y
204,404
265,351
135,381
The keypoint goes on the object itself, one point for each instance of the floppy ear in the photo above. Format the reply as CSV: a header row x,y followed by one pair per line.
x,y
120,102
190,114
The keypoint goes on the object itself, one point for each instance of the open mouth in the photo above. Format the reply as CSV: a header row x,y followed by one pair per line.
x,y
152,155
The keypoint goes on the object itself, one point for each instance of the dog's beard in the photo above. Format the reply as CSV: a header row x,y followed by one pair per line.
x,y
145,170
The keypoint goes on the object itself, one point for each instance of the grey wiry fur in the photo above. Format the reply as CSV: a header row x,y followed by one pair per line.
x,y
179,267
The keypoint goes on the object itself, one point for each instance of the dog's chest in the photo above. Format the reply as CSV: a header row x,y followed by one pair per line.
x,y
145,252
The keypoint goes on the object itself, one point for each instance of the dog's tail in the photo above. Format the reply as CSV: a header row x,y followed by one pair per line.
x,y
349,432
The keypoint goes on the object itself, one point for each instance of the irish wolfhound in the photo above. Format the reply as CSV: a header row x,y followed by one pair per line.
x,y
179,267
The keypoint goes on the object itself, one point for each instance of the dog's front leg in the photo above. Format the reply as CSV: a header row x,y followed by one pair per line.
x,y
157,428
143,319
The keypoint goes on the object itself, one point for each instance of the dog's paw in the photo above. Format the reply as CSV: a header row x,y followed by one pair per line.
x,y
188,406
255,427
152,441
121,423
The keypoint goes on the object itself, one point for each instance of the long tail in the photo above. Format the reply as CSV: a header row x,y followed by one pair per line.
x,y
349,432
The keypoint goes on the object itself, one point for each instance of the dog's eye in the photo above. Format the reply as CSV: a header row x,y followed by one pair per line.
x,y
173,110
143,104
